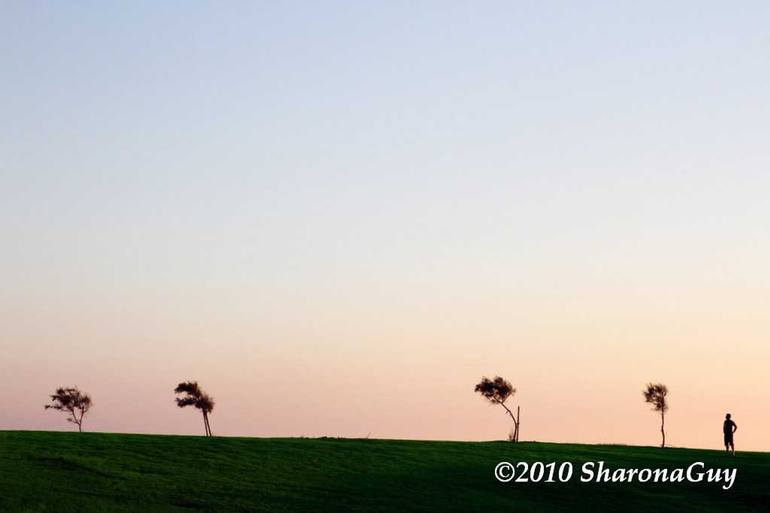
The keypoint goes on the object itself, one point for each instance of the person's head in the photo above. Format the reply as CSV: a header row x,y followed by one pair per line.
x,y
728,416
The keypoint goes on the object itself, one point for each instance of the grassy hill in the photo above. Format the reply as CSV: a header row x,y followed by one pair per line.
x,y
90,472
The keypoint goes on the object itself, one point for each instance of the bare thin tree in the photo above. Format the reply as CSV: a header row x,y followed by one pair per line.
x,y
655,394
497,391
195,396
73,402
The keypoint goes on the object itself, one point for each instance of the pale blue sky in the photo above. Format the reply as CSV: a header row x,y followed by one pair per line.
x,y
350,123
260,164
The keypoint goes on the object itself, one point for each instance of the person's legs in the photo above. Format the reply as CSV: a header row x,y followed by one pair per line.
x,y
729,445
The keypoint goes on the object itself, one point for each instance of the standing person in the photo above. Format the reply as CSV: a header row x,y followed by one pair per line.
x,y
728,428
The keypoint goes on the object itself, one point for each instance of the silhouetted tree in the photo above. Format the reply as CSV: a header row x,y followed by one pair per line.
x,y
73,402
655,394
194,396
497,391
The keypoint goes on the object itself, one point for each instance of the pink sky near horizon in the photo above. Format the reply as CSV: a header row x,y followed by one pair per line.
x,y
401,372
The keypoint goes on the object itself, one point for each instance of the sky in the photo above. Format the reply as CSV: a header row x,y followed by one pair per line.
x,y
338,216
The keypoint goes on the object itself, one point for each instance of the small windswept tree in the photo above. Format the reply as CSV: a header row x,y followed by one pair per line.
x,y
655,394
73,402
497,391
195,396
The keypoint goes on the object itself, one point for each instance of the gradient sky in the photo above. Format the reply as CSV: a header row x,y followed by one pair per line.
x,y
339,216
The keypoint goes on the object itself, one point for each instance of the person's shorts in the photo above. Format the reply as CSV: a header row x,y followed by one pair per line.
x,y
728,439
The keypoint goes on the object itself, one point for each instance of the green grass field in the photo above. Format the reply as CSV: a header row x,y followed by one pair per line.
x,y
71,472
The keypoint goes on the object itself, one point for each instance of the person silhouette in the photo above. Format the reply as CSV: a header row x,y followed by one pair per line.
x,y
728,428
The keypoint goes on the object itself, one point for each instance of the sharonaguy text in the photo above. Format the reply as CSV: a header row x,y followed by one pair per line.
x,y
598,472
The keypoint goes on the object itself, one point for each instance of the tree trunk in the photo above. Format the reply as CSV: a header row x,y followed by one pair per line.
x,y
205,424
518,421
663,428
515,422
